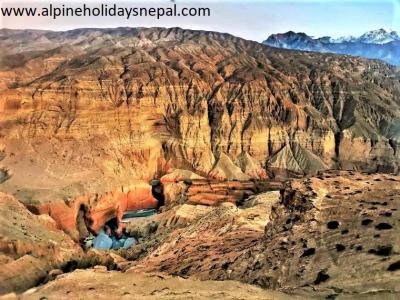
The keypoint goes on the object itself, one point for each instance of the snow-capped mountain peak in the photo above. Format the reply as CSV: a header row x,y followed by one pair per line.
x,y
343,39
376,44
380,36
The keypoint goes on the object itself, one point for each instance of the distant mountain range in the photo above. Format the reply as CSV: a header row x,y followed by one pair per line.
x,y
376,44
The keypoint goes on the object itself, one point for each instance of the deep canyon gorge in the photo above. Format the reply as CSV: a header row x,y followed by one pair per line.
x,y
278,167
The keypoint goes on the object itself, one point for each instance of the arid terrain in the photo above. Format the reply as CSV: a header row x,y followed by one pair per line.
x,y
279,169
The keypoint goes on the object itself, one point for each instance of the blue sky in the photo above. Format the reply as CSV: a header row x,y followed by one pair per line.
x,y
250,19
317,18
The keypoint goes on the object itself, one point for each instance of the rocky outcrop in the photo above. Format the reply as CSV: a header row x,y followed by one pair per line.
x,y
295,159
90,213
30,246
333,234
226,169
214,193
177,175
204,239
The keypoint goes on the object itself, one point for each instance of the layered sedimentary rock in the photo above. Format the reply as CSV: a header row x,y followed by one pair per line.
x,y
89,110
213,192
203,239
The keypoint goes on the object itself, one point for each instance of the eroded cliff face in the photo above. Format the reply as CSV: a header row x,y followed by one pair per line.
x,y
126,103
89,115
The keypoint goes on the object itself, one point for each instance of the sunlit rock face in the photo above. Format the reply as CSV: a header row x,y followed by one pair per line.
x,y
111,105
87,114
